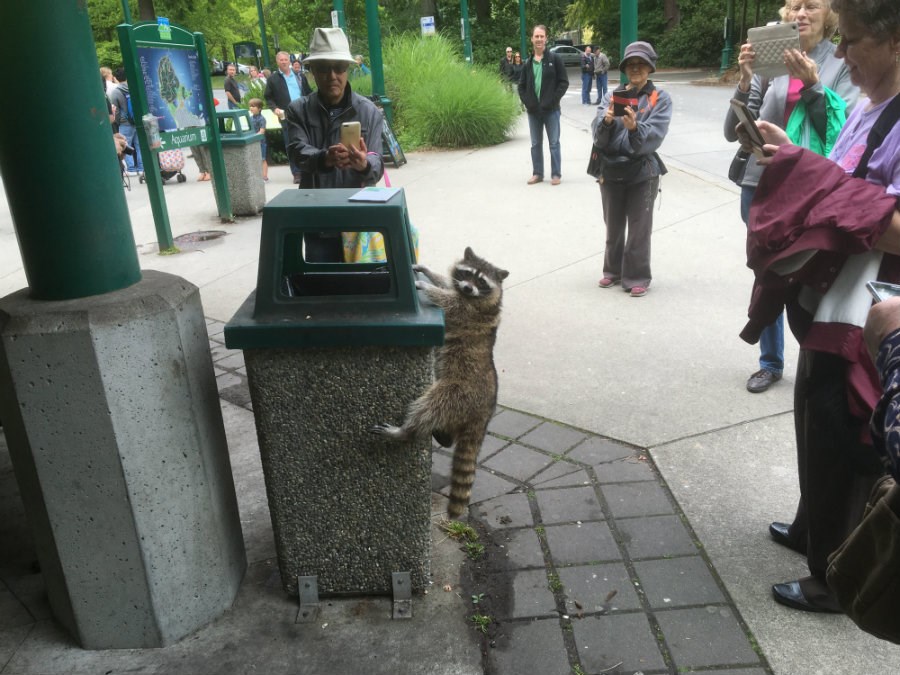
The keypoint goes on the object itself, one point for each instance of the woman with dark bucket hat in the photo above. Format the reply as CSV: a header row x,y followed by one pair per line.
x,y
629,177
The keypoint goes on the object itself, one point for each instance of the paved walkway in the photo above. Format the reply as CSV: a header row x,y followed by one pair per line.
x,y
656,481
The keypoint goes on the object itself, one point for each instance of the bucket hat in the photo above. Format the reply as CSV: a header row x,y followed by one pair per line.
x,y
329,44
641,50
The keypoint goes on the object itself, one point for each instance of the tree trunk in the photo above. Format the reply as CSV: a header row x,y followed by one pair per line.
x,y
429,7
483,10
146,11
672,14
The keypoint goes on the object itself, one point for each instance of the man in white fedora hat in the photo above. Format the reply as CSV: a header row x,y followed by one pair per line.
x,y
314,122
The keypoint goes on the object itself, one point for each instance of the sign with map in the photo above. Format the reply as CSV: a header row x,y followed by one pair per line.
x,y
173,82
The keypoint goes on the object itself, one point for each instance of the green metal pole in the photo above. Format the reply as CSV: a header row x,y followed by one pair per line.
x,y
149,157
627,28
729,37
72,226
466,32
126,11
220,179
376,60
339,8
523,31
262,34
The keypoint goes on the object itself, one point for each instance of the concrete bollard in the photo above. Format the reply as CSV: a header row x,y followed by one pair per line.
x,y
115,432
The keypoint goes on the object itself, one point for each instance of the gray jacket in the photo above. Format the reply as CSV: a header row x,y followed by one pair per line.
x,y
767,99
311,133
601,63
654,114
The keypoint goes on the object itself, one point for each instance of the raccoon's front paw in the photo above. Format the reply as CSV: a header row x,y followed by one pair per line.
x,y
388,430
419,268
421,285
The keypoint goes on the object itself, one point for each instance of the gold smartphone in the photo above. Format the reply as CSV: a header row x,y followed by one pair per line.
x,y
350,134
748,124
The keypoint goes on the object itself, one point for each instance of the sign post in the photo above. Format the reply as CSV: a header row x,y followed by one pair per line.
x,y
171,96
427,23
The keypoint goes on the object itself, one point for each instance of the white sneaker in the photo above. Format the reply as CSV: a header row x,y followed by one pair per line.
x,y
132,173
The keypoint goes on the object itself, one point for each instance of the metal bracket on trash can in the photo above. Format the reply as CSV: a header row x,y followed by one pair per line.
x,y
309,599
402,586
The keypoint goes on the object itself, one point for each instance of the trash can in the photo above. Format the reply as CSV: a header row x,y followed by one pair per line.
x,y
243,162
332,349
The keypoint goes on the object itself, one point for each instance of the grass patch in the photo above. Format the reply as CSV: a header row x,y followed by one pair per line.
x,y
481,621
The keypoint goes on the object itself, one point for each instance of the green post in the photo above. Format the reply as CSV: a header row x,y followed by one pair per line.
x,y
729,37
342,21
223,196
627,28
73,229
376,60
148,157
523,31
262,35
126,11
466,32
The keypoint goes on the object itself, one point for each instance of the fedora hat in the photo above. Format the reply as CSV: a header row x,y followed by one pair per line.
x,y
329,44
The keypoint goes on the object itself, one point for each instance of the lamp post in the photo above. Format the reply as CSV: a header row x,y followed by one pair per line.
x,y
339,10
627,29
262,34
729,36
466,32
523,29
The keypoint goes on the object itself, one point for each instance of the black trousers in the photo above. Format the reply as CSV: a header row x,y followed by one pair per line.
x,y
837,470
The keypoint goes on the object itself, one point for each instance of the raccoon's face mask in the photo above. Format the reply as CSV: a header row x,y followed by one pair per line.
x,y
471,282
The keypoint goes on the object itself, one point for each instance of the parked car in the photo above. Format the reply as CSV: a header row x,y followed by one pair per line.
x,y
570,55
241,68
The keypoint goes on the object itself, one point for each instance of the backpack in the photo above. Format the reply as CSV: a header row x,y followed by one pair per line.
x,y
129,112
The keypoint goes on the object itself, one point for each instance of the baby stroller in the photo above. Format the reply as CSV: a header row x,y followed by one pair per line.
x,y
171,163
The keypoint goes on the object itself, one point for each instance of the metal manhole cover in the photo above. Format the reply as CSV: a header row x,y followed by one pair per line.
x,y
197,237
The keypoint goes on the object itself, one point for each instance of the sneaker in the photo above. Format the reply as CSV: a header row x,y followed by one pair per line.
x,y
638,291
606,282
761,380
132,173
535,179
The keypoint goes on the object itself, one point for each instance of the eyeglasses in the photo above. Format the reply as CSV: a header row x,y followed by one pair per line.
x,y
635,64
810,7
325,67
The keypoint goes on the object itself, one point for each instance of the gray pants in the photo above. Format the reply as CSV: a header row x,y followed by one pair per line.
x,y
203,158
628,207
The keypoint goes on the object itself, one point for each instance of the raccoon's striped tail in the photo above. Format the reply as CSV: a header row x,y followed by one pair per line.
x,y
462,475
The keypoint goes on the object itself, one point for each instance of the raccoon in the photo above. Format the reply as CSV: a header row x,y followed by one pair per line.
x,y
457,406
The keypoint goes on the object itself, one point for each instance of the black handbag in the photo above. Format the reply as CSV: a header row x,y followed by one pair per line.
x,y
595,163
738,166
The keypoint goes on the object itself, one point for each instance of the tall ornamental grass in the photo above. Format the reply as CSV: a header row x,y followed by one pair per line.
x,y
439,100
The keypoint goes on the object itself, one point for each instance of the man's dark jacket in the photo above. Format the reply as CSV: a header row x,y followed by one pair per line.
x,y
554,83
277,94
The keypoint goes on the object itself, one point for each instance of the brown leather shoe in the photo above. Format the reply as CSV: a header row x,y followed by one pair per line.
x,y
535,179
556,180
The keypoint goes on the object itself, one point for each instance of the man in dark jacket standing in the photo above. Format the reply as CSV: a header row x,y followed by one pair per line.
x,y
283,87
543,84
314,132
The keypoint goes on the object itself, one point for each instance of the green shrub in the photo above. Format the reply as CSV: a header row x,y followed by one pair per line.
x,y
439,100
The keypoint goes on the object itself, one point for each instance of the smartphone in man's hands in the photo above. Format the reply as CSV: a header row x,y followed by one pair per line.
x,y
350,132
751,133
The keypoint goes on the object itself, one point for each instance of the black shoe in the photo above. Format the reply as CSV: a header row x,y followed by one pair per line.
x,y
780,533
791,595
761,380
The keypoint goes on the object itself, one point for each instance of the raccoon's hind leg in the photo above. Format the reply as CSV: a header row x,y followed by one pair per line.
x,y
443,438
418,423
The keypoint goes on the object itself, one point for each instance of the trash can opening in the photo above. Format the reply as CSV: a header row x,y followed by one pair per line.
x,y
331,263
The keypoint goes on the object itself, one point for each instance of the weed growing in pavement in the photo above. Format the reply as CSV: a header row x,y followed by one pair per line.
x,y
459,531
482,621
474,550
477,598
554,583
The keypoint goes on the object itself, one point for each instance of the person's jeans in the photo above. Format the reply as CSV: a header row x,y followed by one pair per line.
x,y
132,163
771,340
586,81
601,86
536,125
